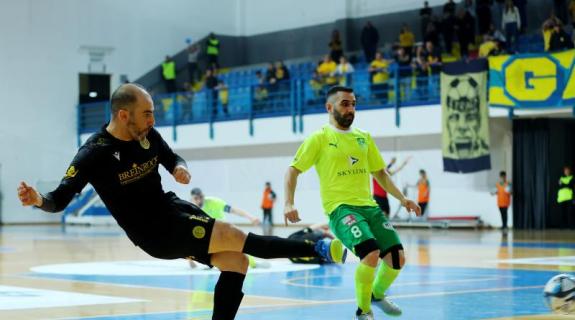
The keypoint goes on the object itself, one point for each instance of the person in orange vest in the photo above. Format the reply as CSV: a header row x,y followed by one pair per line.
x,y
423,191
503,197
268,199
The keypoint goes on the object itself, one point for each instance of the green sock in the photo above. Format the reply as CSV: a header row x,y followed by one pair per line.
x,y
252,261
364,275
385,277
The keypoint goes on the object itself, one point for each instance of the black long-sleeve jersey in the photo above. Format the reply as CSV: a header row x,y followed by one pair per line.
x,y
125,176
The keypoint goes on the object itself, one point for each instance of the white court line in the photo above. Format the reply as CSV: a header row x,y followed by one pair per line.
x,y
291,281
23,298
136,286
545,261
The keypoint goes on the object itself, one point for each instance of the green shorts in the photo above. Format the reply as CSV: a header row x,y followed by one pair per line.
x,y
354,225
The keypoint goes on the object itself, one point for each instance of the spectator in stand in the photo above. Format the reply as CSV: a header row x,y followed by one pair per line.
x,y
193,70
425,15
344,71
272,85
403,61
260,92
547,29
281,72
433,57
406,39
186,100
431,34
560,40
497,12
169,74
496,34
211,82
326,71
572,13
560,9
335,46
489,47
522,7
468,6
465,26
316,85
380,76
483,13
369,40
224,96
213,51
447,25
511,23
282,77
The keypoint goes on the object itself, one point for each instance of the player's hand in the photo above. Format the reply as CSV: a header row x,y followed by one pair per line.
x,y
411,206
28,195
182,175
255,221
291,214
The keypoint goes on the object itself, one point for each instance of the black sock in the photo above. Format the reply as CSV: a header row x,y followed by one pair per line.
x,y
269,247
228,295
358,312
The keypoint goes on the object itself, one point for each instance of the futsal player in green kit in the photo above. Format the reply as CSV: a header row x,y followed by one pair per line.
x,y
344,158
217,209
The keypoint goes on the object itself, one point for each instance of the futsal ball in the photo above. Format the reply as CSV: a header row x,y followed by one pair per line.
x,y
559,294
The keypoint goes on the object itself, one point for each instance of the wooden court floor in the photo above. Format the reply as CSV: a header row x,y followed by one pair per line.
x,y
55,272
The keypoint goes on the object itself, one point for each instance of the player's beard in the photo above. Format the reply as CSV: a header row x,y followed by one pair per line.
x,y
136,133
344,121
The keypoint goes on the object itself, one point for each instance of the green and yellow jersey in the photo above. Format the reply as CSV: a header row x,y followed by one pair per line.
x,y
215,207
344,161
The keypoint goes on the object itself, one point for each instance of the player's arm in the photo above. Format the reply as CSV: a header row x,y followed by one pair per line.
x,y
173,163
242,213
306,156
384,180
401,166
74,181
290,212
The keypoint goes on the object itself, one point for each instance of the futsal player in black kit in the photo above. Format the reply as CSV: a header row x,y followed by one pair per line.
x,y
121,162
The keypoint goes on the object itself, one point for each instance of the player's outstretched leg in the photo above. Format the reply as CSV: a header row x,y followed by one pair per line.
x,y
226,237
393,261
228,291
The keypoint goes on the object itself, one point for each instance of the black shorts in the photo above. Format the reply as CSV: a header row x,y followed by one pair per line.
x,y
186,235
383,203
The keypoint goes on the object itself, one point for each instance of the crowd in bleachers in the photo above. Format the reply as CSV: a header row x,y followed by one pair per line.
x,y
382,73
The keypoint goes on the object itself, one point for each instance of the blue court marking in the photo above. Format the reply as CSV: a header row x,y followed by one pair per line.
x,y
540,245
423,292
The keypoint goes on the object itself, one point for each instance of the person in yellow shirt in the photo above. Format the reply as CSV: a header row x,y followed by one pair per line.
x,y
344,71
224,96
326,71
345,158
406,39
378,69
489,47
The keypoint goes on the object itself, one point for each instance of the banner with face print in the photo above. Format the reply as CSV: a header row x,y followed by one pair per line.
x,y
465,117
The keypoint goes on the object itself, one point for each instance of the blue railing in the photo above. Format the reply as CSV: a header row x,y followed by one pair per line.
x,y
297,97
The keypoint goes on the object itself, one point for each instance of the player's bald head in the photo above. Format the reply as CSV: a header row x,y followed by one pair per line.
x,y
126,97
